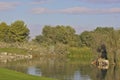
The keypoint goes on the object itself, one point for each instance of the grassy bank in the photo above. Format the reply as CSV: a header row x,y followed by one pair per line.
x,y
14,50
6,74
84,55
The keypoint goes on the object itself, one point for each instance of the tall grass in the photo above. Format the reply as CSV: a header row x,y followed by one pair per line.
x,y
83,54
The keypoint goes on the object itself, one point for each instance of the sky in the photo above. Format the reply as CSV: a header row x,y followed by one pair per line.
x,y
80,14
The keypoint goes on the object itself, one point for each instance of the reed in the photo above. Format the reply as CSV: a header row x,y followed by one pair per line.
x,y
84,54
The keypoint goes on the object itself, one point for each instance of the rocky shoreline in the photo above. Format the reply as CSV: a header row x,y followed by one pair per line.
x,y
7,57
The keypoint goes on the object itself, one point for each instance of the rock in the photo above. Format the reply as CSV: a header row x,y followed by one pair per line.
x,y
4,53
4,56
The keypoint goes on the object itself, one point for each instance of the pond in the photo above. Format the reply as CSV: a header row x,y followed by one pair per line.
x,y
63,69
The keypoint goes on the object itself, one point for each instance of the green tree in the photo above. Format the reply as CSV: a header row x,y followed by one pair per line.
x,y
64,34
4,31
103,35
58,34
48,34
86,39
18,32
111,38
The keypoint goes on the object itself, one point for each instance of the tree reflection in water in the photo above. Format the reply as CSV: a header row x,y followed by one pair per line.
x,y
102,74
108,74
114,73
63,69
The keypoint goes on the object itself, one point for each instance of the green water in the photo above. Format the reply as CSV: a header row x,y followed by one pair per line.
x,y
63,69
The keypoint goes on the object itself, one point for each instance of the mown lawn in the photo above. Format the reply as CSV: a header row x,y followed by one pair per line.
x,y
6,74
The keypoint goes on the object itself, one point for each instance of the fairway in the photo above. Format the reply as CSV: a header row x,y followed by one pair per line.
x,y
6,74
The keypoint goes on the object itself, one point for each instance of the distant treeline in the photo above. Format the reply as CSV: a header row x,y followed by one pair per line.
x,y
51,35
65,35
108,36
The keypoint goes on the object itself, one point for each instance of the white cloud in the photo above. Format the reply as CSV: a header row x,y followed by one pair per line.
x,y
8,5
40,10
77,11
101,1
39,1
85,10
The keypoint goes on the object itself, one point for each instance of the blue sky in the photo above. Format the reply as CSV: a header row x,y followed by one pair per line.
x,y
80,14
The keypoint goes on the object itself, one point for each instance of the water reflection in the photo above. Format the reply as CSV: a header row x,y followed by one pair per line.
x,y
115,73
63,69
34,71
79,76
102,74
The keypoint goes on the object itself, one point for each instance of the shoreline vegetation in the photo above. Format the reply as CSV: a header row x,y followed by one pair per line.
x,y
23,51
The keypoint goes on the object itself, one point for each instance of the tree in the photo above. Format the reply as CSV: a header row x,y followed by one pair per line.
x,y
58,34
48,34
103,35
86,39
18,32
111,38
64,34
4,31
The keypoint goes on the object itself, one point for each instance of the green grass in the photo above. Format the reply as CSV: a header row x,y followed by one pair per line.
x,y
14,50
6,74
81,54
